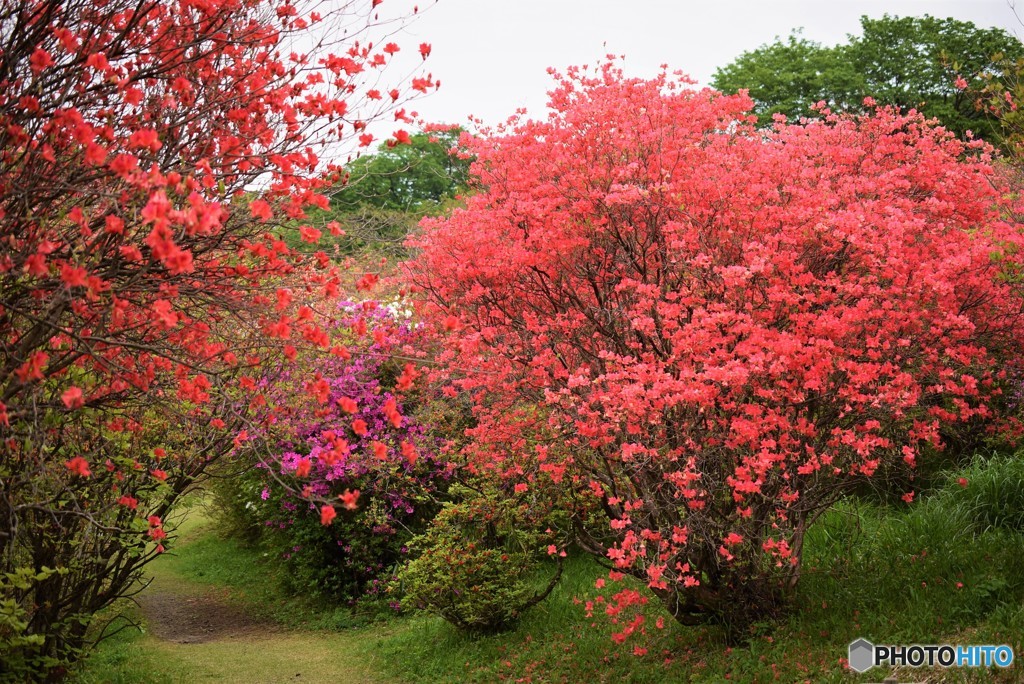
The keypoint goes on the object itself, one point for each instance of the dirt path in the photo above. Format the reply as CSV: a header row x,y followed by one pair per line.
x,y
198,634
187,618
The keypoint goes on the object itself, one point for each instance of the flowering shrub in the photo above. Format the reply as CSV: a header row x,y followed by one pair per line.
x,y
478,561
727,328
137,260
358,448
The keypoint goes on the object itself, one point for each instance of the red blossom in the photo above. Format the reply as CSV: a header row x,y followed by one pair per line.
x,y
40,60
73,398
327,514
98,61
367,282
261,210
349,499
165,313
409,453
74,276
392,413
145,138
309,234
79,466
408,376
33,368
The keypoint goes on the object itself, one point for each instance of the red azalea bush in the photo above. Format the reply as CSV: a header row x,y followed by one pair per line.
x,y
147,151
727,328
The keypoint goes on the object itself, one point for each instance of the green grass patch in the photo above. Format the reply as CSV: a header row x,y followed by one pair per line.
x,y
303,642
134,658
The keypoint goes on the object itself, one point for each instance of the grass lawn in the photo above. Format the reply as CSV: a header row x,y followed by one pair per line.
x,y
946,569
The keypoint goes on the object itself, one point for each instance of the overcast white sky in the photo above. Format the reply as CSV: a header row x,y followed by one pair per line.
x,y
492,55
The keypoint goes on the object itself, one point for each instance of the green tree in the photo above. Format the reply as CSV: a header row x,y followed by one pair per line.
x,y
387,193
789,77
910,62
914,62
413,178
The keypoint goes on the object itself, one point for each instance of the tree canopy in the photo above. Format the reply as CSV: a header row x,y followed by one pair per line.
x,y
935,65
789,77
386,193
412,178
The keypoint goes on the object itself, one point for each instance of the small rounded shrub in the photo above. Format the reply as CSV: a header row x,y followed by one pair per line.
x,y
480,561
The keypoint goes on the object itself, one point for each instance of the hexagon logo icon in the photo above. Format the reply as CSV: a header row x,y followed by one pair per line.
x,y
861,655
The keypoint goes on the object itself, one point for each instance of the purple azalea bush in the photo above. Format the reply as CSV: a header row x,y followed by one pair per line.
x,y
355,440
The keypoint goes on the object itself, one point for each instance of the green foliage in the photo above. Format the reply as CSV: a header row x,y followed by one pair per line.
x,y
415,178
553,642
931,567
478,561
789,77
387,193
917,574
910,62
232,491
915,61
22,651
